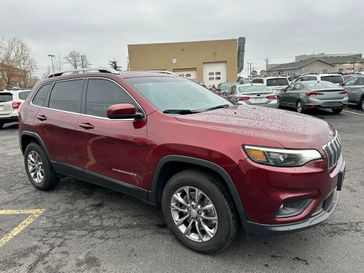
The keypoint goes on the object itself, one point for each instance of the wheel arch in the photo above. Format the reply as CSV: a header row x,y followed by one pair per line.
x,y
28,137
171,164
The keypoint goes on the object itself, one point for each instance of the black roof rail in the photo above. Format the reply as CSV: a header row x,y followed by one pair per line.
x,y
85,70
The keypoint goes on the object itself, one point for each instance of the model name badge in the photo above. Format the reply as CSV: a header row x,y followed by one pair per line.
x,y
124,172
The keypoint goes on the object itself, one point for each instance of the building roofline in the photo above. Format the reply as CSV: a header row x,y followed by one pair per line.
x,y
186,42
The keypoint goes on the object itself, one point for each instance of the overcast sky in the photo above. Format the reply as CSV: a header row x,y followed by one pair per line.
x,y
274,29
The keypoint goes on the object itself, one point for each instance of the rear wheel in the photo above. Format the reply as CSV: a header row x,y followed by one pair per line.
x,y
362,103
38,168
199,211
337,110
1,124
299,106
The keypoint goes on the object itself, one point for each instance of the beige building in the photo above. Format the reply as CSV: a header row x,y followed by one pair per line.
x,y
319,63
211,62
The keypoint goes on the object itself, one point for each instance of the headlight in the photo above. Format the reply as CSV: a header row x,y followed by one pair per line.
x,y
281,157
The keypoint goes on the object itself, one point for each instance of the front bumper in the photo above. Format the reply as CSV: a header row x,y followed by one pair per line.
x,y
321,212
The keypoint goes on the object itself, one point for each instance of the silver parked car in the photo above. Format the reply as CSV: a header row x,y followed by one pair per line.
x,y
312,94
355,88
252,94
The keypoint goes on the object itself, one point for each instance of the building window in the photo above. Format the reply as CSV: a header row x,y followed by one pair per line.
x,y
211,78
217,73
218,78
211,73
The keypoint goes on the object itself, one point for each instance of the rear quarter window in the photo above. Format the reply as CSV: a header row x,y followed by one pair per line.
x,y
24,95
41,95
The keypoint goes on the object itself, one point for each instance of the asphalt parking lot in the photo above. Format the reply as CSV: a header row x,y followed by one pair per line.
x,y
79,227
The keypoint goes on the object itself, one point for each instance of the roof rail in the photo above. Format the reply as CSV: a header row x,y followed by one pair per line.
x,y
85,70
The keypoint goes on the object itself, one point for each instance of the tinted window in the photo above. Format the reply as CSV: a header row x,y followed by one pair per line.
x,y
309,78
41,95
333,79
277,82
67,96
24,95
6,97
257,81
360,81
103,93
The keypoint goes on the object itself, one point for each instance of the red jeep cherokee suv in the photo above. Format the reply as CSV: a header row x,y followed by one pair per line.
x,y
211,165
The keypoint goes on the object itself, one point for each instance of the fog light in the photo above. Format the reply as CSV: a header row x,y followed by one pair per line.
x,y
293,207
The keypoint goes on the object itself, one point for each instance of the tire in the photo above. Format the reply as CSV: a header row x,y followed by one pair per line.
x,y
299,107
337,110
362,104
38,168
222,221
1,124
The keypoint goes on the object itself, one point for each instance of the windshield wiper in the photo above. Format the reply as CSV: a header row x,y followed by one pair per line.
x,y
180,111
216,107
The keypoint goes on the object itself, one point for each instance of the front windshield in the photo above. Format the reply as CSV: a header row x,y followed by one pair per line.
x,y
253,89
277,82
170,93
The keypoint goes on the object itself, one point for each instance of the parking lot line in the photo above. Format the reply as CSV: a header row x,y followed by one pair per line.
x,y
34,213
353,113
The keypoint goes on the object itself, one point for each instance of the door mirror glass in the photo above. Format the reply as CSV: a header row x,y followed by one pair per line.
x,y
123,111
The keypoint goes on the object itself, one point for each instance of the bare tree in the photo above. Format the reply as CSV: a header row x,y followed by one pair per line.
x,y
77,60
16,63
74,58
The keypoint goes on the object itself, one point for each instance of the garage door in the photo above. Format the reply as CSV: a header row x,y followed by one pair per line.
x,y
189,74
214,73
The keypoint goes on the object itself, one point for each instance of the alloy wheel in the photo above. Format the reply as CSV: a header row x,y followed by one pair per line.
x,y
35,167
194,214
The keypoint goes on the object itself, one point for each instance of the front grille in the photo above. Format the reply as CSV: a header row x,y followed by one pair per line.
x,y
333,151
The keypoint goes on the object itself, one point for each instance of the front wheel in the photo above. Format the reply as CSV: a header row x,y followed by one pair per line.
x,y
199,211
38,168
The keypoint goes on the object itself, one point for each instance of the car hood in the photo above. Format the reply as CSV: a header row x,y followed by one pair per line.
x,y
265,125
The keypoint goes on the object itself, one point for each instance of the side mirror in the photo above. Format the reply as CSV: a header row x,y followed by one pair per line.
x,y
123,111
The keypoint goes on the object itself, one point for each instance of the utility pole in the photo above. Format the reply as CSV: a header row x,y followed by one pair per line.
x,y
52,56
249,69
354,64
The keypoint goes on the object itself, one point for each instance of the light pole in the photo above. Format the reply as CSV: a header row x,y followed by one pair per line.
x,y
52,56
249,69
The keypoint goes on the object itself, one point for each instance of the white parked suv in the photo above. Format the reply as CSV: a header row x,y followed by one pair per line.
x,y
276,84
10,101
334,78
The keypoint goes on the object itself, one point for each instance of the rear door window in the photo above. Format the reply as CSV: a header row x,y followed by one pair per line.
x,y
360,81
103,93
67,96
41,95
5,97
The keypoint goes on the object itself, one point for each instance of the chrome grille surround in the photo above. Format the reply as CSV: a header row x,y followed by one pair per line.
x,y
333,151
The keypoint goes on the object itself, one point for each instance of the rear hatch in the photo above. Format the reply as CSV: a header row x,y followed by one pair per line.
x,y
6,103
336,79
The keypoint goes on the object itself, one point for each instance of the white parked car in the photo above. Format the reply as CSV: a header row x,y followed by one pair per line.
x,y
276,84
334,78
10,101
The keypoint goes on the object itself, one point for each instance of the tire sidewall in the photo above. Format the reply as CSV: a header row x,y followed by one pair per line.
x,y
46,179
299,102
223,211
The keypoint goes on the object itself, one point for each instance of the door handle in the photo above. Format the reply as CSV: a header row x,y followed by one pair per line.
x,y
41,117
86,126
